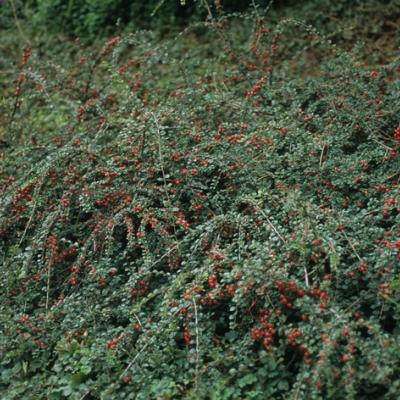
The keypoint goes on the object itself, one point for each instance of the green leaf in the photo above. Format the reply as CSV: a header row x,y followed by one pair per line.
x,y
283,385
247,380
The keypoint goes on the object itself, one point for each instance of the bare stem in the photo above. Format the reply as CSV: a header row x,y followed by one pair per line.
x,y
306,277
196,374
270,223
352,246
18,25
48,283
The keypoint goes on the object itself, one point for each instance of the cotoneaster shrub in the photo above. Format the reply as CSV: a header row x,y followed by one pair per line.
x,y
91,19
233,235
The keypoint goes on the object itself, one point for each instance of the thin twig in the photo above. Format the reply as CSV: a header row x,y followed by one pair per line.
x,y
351,305
321,158
138,320
48,283
160,156
268,6
210,16
19,27
270,301
130,365
28,224
88,392
296,396
196,373
270,223
253,3
306,277
352,246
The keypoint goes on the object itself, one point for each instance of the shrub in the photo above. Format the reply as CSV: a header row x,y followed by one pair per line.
x,y
222,232
91,19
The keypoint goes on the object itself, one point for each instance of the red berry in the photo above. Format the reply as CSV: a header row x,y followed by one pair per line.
x,y
126,379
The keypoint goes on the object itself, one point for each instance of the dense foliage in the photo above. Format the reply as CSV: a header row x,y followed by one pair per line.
x,y
93,18
222,227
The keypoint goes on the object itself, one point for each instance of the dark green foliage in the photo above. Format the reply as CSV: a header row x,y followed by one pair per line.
x,y
201,222
91,19
95,18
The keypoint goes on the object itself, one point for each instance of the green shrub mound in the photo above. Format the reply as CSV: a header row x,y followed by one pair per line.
x,y
219,231
91,19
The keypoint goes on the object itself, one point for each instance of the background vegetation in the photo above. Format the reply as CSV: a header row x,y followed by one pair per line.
x,y
199,201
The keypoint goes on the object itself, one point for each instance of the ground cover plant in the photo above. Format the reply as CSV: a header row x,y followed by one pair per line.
x,y
214,222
